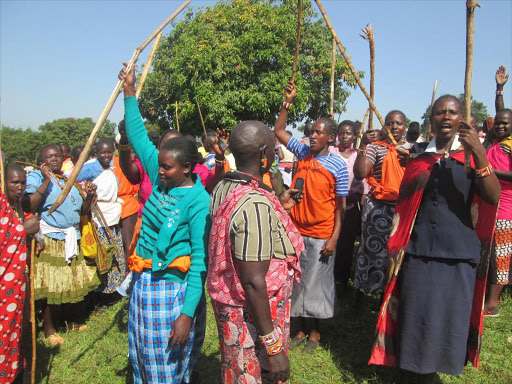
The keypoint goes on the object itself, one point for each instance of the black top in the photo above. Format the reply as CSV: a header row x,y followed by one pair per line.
x,y
443,227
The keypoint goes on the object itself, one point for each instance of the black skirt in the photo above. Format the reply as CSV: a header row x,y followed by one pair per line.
x,y
434,310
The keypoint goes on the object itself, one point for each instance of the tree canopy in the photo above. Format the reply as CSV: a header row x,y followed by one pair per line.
x,y
478,109
24,144
235,59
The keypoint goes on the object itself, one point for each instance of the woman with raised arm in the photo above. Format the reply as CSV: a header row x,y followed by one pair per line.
x,y
167,314
438,251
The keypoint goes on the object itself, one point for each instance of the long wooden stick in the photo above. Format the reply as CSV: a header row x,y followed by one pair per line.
x,y
201,116
429,132
297,44
32,311
101,121
354,73
333,68
177,119
362,127
145,72
470,36
2,163
368,35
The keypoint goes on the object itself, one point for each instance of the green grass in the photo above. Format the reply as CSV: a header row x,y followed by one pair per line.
x,y
99,354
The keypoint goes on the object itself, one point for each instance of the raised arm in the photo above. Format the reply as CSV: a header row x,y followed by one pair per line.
x,y
501,80
363,166
280,129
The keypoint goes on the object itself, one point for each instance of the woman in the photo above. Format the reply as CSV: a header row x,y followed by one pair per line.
x,y
13,268
357,191
432,309
379,163
61,275
108,214
500,156
167,315
253,259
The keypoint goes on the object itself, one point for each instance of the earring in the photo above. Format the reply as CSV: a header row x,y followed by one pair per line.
x,y
264,163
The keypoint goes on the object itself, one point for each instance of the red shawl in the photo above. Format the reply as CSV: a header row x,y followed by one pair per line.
x,y
13,249
223,282
415,179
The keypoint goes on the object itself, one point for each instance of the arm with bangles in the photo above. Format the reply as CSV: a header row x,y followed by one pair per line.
x,y
363,166
220,160
489,188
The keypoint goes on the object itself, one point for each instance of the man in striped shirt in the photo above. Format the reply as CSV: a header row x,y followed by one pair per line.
x,y
318,218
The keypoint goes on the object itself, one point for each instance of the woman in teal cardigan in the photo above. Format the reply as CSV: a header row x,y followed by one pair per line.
x,y
167,313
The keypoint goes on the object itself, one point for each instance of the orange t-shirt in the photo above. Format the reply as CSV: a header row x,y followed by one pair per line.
x,y
127,192
314,216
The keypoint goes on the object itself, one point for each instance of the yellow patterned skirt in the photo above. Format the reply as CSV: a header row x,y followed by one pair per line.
x,y
58,282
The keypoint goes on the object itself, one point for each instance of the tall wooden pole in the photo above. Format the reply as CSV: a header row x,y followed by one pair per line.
x,y
145,72
32,311
201,116
297,44
177,119
368,35
333,68
101,121
354,73
429,132
362,127
470,36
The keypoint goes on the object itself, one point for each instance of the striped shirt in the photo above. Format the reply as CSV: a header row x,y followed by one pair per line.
x,y
375,154
334,164
256,233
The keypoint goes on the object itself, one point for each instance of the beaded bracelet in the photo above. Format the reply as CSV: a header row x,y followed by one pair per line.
x,y
220,163
272,343
287,105
499,93
484,172
125,147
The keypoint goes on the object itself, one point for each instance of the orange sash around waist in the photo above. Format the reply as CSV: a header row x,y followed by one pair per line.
x,y
138,264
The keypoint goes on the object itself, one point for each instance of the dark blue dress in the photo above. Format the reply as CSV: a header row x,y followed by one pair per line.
x,y
438,274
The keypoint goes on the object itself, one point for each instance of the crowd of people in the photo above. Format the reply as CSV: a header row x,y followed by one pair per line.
x,y
267,225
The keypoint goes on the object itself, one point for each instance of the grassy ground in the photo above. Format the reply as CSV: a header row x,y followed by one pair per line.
x,y
99,354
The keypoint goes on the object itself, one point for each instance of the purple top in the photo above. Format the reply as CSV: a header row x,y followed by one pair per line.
x,y
145,186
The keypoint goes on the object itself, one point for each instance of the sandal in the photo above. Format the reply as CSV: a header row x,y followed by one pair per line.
x,y
54,340
296,342
492,315
77,327
310,346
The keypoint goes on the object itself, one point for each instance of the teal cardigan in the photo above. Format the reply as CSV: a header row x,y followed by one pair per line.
x,y
182,231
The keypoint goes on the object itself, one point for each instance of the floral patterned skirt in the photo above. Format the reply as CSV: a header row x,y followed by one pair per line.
x,y
113,279
243,356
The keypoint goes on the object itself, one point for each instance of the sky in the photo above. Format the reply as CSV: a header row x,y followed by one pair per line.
x,y
61,58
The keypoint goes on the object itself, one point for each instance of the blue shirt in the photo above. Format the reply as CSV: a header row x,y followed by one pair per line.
x,y
67,215
334,164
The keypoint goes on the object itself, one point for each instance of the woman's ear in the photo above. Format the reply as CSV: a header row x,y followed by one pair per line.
x,y
187,168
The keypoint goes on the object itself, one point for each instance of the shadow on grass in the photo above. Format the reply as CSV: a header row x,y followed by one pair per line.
x,y
207,369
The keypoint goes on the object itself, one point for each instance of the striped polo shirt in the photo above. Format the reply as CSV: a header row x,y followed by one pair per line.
x,y
334,164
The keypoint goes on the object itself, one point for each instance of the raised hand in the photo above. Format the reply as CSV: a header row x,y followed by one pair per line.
x,y
369,137
45,171
290,92
501,76
217,148
129,80
468,136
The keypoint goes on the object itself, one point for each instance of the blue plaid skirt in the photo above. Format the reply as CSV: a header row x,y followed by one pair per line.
x,y
155,304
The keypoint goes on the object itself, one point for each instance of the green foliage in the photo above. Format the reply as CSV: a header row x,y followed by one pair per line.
x,y
24,144
478,109
235,59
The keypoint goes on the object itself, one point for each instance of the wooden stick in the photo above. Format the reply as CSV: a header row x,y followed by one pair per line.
x,y
32,311
431,105
354,73
145,72
201,116
333,68
297,44
177,119
368,35
2,176
470,36
101,121
362,127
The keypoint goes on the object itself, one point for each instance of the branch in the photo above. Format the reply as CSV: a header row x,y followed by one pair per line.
x,y
145,72
368,35
297,45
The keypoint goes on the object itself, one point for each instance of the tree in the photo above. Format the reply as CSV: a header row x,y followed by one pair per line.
x,y
478,109
24,144
235,60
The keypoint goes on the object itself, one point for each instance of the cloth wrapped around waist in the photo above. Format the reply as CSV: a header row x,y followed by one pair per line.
x,y
138,264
